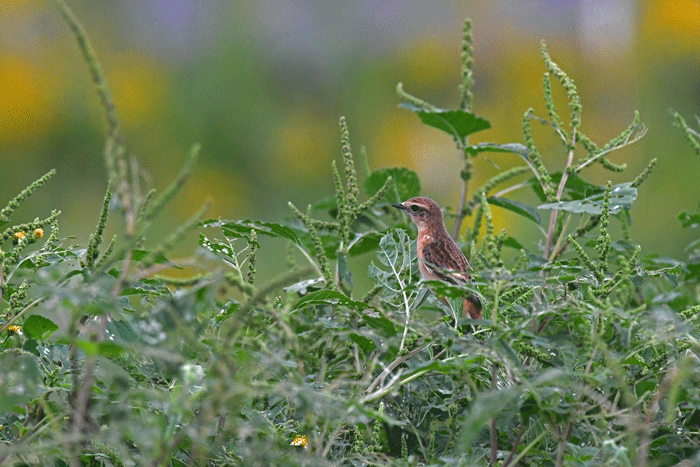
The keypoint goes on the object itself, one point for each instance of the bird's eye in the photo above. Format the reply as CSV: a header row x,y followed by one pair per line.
x,y
415,208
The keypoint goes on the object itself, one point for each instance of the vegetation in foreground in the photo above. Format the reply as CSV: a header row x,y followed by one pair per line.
x,y
587,353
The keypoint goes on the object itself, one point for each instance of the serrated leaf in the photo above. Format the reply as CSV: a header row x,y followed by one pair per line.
x,y
381,324
242,229
38,327
405,183
458,123
621,196
223,250
363,342
521,209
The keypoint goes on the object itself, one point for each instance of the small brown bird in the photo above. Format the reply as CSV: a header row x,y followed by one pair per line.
x,y
439,257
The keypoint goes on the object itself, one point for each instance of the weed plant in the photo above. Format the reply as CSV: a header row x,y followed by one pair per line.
x,y
587,354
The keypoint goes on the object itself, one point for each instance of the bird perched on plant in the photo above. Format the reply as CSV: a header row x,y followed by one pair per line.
x,y
439,257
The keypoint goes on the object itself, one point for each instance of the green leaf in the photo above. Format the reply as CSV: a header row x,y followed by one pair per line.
x,y
458,123
21,380
344,274
123,330
302,287
406,184
363,342
138,255
364,243
38,327
689,220
110,349
575,188
329,297
516,148
524,210
622,196
486,406
104,348
512,243
150,287
242,229
380,323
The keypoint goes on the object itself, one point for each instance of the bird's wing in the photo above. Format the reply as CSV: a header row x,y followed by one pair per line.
x,y
448,264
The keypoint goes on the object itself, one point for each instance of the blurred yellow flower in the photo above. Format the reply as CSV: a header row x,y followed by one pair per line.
x,y
25,99
15,329
38,233
20,235
306,143
139,85
677,19
300,440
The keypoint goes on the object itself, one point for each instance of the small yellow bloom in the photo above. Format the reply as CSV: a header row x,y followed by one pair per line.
x,y
38,233
20,235
300,440
15,329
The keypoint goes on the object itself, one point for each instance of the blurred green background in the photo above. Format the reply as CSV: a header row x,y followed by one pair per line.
x,y
261,85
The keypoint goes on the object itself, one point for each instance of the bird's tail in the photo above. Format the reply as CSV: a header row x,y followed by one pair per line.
x,y
472,306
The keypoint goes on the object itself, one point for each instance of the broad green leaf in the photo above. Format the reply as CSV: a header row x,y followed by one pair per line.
x,y
109,349
512,243
458,123
486,406
380,323
123,330
138,255
622,196
405,183
363,342
524,210
242,228
38,327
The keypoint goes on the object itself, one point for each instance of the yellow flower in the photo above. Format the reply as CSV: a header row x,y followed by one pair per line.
x,y
38,233
20,235
300,440
15,329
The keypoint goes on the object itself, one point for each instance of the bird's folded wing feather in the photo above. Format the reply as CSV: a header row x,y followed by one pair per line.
x,y
449,266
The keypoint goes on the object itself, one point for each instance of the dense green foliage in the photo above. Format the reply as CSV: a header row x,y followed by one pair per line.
x,y
587,354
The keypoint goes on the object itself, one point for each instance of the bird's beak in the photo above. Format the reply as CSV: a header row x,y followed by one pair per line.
x,y
399,206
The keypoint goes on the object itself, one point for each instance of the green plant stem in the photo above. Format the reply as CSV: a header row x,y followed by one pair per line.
x,y
560,190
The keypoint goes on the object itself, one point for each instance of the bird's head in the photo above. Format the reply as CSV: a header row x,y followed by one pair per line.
x,y
424,212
